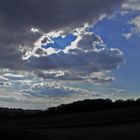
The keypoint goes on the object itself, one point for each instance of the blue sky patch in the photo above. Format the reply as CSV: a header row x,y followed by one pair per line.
x,y
61,43
111,30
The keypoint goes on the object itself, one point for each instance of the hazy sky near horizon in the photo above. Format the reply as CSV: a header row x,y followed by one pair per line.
x,y
64,51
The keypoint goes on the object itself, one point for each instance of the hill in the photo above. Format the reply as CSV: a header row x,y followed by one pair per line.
x,y
89,119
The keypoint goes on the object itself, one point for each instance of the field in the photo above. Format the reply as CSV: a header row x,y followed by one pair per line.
x,y
115,124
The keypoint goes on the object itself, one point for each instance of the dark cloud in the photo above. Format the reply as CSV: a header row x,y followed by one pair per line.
x,y
88,62
18,16
52,14
90,55
75,76
61,75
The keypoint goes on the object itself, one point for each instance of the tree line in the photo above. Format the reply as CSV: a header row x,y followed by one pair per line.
x,y
75,107
92,105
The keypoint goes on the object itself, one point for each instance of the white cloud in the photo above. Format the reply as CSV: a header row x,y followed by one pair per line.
x,y
34,30
86,54
37,50
131,5
127,35
52,89
2,78
136,23
100,78
13,76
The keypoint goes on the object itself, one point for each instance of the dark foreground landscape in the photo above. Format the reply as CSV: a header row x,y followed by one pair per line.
x,y
85,120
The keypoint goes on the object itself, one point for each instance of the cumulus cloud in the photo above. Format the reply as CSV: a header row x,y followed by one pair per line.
x,y
28,25
95,77
133,6
89,55
17,17
28,86
37,93
52,89
100,77
136,23
86,54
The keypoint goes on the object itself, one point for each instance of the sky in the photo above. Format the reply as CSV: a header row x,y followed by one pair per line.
x,y
57,52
